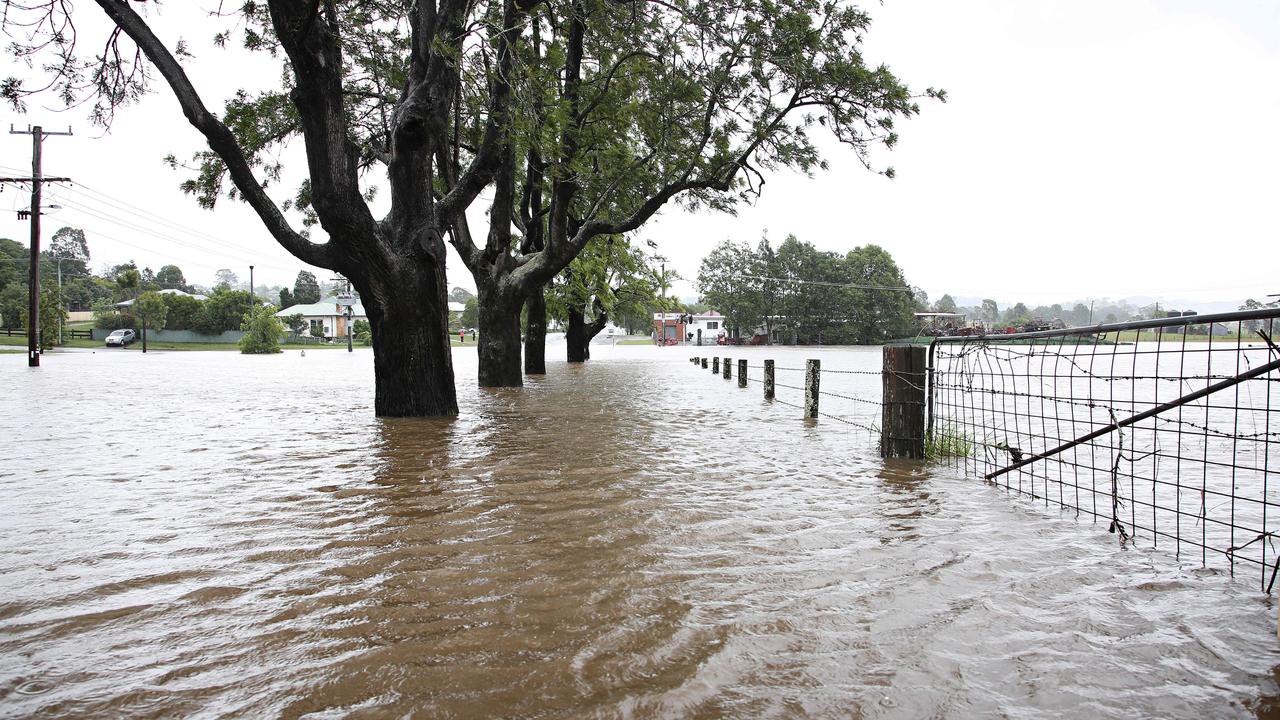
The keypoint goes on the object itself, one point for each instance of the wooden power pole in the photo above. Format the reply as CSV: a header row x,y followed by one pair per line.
x,y
37,179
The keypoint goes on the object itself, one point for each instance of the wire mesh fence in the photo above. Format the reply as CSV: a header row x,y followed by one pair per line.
x,y
1164,429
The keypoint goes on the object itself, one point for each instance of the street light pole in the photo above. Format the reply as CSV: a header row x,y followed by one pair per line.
x,y
251,293
662,283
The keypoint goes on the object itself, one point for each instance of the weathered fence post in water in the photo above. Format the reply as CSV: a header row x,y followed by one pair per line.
x,y
699,337
768,379
742,373
902,422
704,363
812,369
728,368
715,365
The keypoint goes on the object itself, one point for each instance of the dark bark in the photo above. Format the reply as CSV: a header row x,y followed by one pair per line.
x,y
581,333
498,344
575,338
413,365
535,333
397,264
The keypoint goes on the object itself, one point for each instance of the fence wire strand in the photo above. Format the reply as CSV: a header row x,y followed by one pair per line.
x,y
1167,437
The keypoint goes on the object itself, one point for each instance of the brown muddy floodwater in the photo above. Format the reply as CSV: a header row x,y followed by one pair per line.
x,y
207,534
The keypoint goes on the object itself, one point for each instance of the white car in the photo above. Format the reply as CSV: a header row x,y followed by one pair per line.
x,y
121,338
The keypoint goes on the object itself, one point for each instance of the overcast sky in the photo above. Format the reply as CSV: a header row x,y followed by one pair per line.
x,y
1089,149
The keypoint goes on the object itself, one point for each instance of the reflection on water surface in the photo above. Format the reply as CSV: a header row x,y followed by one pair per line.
x,y
219,535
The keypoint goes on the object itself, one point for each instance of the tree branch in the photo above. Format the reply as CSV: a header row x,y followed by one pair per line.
x,y
220,139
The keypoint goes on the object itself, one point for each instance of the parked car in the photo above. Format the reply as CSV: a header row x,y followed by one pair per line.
x,y
121,338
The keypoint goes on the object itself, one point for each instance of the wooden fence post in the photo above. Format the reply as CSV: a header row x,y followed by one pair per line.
x,y
768,379
704,363
728,368
812,371
902,419
699,337
715,365
742,373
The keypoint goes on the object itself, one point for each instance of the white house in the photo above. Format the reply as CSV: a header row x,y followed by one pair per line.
x,y
327,315
683,327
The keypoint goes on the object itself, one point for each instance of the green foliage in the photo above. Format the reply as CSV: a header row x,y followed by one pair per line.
x,y
107,317
171,277
82,293
14,258
262,331
363,332
947,442
181,313
460,295
13,304
723,282
1016,315
223,311
306,289
470,314
69,244
51,316
128,283
295,322
286,299
990,311
609,279
150,310
816,296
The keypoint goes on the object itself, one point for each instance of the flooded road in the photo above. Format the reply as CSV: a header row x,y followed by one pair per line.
x,y
207,534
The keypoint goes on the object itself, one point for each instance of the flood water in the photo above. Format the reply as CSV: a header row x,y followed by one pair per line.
x,y
204,534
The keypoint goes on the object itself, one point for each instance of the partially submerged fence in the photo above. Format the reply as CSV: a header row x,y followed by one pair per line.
x,y
1168,430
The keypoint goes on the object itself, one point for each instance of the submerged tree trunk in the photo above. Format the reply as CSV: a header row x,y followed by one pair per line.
x,y
575,337
498,344
412,362
535,332
581,333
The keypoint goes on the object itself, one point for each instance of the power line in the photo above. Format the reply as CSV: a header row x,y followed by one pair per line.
x,y
90,203
854,286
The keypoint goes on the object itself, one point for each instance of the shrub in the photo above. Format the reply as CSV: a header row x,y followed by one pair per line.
x,y
262,331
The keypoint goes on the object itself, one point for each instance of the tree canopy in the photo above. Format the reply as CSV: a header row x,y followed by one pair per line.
x,y
306,289
586,117
814,296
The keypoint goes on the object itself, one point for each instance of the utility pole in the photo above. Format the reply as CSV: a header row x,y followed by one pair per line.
x,y
662,282
349,300
33,282
251,293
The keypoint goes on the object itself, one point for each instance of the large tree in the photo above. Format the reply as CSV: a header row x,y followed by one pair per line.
x,y
306,289
585,116
69,249
634,105
365,83
727,282
609,279
170,277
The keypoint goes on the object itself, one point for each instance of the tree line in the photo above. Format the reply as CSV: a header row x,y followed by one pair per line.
x,y
1072,314
809,296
